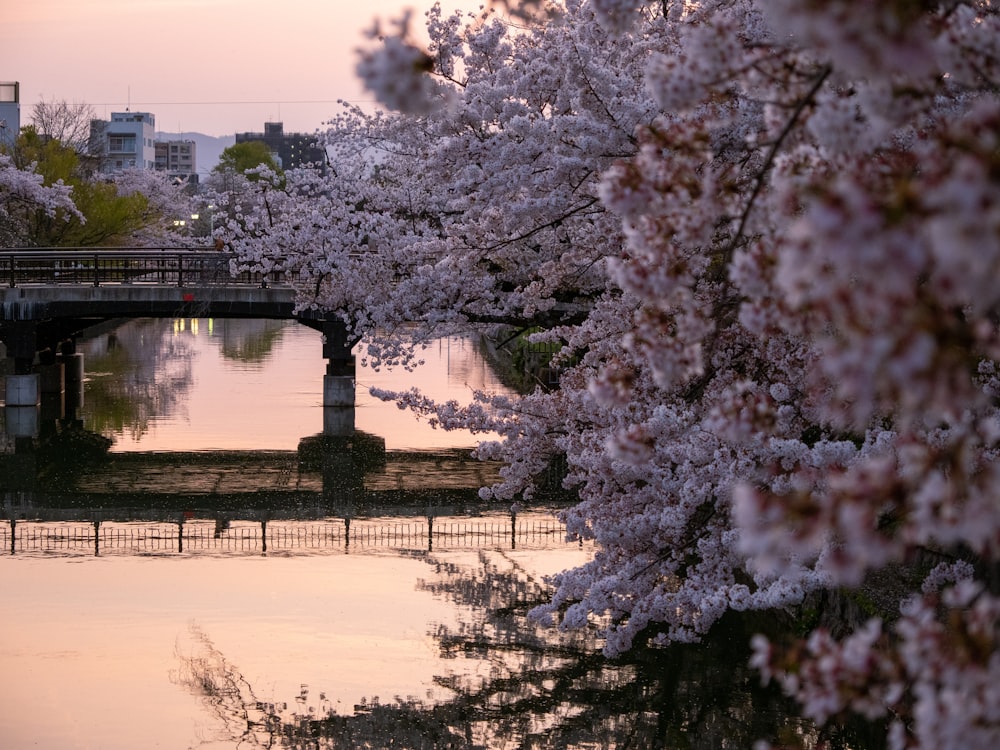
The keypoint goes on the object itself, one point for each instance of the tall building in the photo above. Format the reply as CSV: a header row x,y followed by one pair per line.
x,y
10,112
290,149
126,142
177,159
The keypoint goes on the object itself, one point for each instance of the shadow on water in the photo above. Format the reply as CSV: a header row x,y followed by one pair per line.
x,y
536,687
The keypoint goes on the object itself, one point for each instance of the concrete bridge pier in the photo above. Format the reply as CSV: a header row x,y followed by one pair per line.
x,y
72,364
22,389
339,381
52,387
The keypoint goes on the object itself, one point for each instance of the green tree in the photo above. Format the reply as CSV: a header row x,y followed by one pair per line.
x,y
108,217
234,181
240,157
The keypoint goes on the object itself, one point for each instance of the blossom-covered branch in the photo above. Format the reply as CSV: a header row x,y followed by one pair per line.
x,y
777,225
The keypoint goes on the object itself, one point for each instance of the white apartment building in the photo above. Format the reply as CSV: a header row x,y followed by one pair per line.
x,y
126,142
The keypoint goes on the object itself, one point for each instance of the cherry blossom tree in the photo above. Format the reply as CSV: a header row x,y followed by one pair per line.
x,y
767,236
48,198
166,210
23,193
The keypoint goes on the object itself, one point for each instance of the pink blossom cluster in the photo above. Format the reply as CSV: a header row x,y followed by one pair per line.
x,y
396,70
23,192
933,674
766,235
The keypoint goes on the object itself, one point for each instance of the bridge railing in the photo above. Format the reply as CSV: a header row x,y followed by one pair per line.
x,y
206,536
103,266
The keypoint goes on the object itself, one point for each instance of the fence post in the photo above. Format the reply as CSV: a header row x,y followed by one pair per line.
x,y
97,271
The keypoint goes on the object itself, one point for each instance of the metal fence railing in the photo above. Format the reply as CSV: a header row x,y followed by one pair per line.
x,y
211,537
102,266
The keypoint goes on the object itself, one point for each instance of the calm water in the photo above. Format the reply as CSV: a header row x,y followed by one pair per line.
x,y
253,385
194,565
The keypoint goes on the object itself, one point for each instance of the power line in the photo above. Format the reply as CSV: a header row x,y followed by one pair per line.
x,y
248,101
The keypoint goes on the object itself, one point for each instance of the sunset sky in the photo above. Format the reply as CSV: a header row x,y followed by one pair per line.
x,y
212,66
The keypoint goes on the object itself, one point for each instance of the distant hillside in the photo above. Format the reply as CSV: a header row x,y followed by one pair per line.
x,y
208,148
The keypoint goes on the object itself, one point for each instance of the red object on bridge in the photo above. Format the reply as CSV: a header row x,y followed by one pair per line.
x,y
188,297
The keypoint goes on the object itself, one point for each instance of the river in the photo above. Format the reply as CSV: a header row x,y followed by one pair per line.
x,y
191,563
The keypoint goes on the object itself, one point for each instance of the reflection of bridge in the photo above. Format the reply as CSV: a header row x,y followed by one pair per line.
x,y
326,474
333,494
48,297
192,535
242,474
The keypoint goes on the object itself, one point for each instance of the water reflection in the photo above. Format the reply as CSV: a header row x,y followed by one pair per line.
x,y
321,591
247,343
161,385
75,478
135,374
517,685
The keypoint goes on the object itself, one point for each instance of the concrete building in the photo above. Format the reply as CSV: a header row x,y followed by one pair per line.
x,y
126,142
290,149
178,159
10,112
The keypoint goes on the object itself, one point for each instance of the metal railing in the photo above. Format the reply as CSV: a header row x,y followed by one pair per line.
x,y
143,266
203,536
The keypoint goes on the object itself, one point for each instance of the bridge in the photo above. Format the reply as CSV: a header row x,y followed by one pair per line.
x,y
332,495
48,296
68,285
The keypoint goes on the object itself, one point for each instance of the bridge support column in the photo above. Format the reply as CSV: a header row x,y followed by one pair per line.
x,y
51,379
21,421
338,390
72,363
339,381
22,416
52,387
338,421
20,337
22,388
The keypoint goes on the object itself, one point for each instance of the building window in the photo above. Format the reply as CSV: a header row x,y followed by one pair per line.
x,y
121,144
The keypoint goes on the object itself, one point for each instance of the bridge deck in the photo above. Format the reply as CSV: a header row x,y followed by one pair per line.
x,y
164,266
107,283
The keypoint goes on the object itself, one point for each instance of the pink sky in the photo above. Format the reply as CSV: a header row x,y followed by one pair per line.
x,y
212,66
